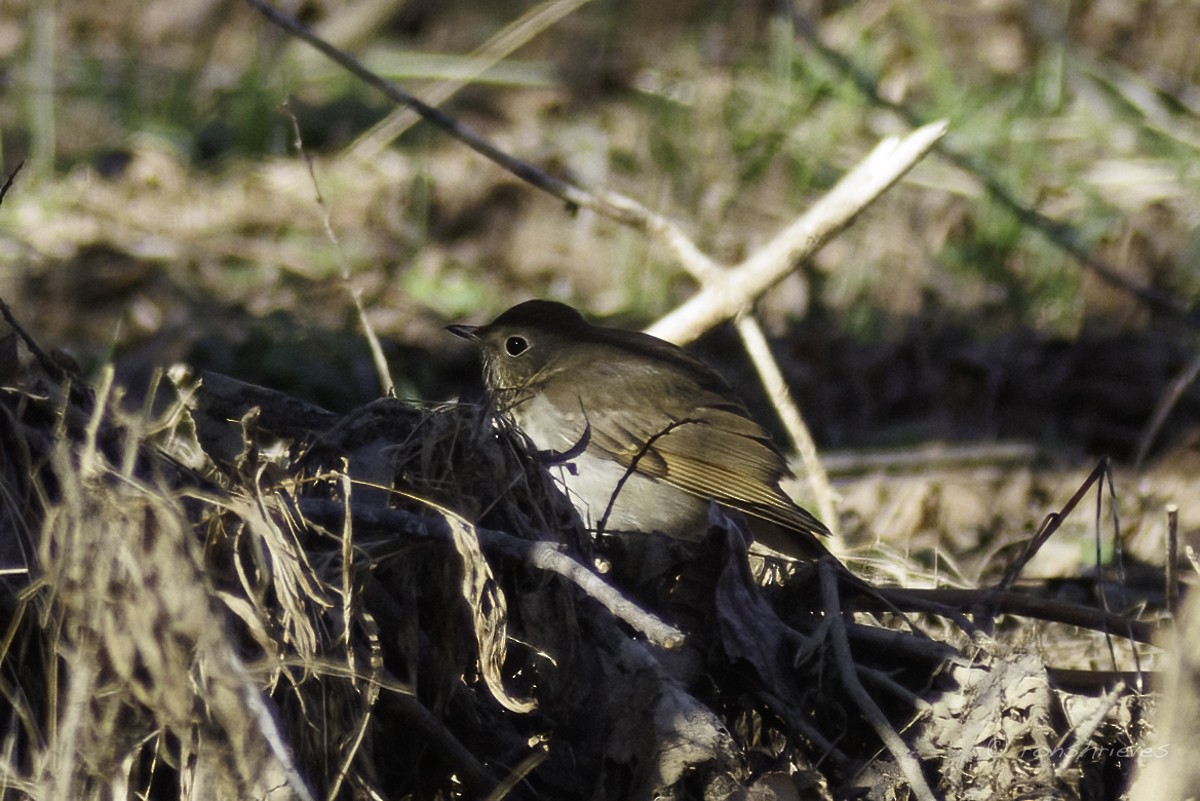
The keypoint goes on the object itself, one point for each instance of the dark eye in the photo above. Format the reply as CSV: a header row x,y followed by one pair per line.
x,y
515,346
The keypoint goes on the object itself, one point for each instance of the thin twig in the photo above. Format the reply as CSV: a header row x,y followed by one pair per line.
x,y
1050,525
610,204
1081,735
514,36
905,760
476,776
8,182
518,774
1162,410
52,368
1172,558
789,414
1083,681
1118,559
543,555
929,457
381,366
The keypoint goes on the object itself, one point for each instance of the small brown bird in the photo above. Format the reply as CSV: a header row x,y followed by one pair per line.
x,y
640,434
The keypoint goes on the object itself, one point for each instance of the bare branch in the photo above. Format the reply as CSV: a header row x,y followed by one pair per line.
x,y
789,414
905,759
513,37
618,207
542,555
728,294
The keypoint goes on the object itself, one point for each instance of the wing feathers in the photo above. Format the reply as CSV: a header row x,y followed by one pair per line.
x,y
715,454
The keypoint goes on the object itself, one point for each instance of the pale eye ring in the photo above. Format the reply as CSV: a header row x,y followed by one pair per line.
x,y
515,345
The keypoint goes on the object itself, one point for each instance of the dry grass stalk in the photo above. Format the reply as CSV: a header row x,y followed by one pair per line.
x,y
144,651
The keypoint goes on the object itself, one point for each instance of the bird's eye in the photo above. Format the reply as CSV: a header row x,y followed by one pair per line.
x,y
515,346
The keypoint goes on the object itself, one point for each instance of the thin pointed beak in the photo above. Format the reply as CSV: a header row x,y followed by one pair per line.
x,y
470,332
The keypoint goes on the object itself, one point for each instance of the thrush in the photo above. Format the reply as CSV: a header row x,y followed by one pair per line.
x,y
640,434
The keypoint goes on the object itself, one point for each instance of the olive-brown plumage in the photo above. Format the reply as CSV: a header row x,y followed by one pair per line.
x,y
641,434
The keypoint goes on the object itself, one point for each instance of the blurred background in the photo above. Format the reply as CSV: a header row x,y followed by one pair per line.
x,y
164,212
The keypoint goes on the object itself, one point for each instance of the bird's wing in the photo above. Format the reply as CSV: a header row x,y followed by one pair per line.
x,y
707,447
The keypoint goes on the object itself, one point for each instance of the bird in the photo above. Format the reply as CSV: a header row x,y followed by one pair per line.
x,y
640,434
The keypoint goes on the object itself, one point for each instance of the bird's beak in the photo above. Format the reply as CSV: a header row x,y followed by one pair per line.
x,y
470,332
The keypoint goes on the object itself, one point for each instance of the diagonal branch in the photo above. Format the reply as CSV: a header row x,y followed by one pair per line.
x,y
727,294
905,759
515,35
613,205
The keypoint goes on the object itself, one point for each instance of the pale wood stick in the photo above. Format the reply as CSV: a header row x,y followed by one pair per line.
x,y
789,414
725,295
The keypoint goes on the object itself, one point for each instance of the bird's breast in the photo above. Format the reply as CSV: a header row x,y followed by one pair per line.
x,y
549,426
607,494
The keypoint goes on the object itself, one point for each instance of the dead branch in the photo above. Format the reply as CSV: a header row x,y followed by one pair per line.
x,y
542,555
862,700
8,182
1015,603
